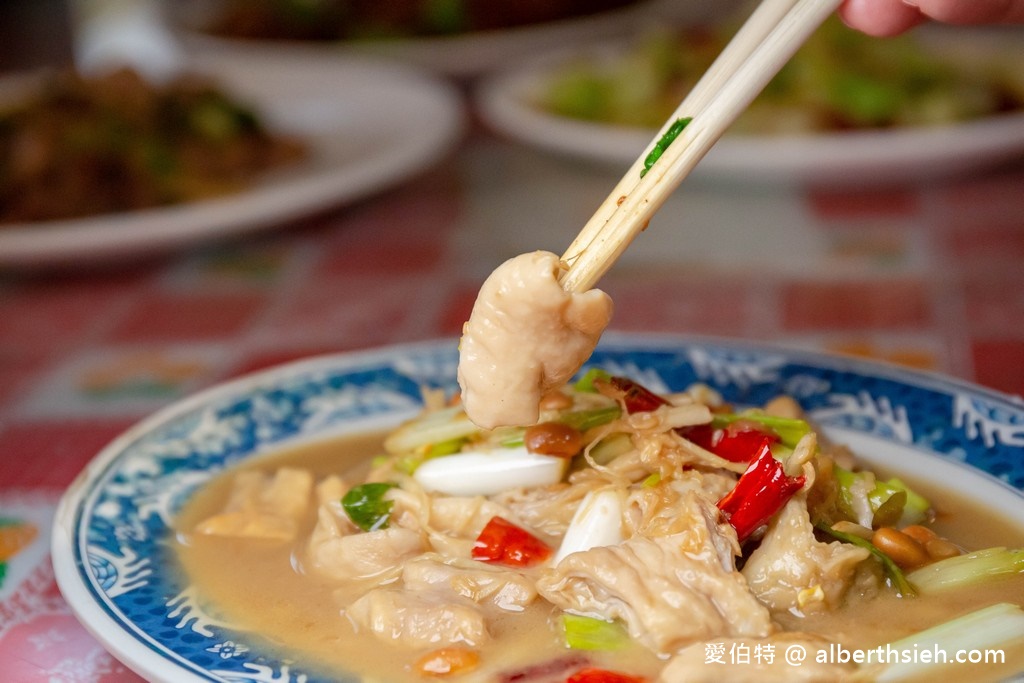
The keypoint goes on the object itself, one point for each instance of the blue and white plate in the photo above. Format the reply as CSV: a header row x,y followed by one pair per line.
x,y
117,571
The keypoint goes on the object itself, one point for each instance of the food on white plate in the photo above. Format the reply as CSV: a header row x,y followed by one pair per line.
x,y
366,19
75,146
673,537
839,80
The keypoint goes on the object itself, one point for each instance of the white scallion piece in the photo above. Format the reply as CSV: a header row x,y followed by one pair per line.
x,y
433,427
988,628
597,523
484,473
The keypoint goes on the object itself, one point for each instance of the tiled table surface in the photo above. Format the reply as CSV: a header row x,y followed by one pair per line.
x,y
930,275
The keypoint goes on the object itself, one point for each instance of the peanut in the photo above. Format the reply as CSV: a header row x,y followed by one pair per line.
x,y
940,549
555,400
901,548
921,534
553,438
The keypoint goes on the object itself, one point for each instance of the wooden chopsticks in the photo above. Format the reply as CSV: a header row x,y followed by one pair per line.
x,y
762,46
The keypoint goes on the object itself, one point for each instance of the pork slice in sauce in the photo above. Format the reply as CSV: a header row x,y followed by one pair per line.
x,y
500,587
525,337
792,570
338,550
261,505
418,619
670,590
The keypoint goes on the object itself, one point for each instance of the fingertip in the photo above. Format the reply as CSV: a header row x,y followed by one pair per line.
x,y
880,18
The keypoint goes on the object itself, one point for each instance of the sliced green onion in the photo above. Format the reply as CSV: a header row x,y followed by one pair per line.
x,y
366,507
663,142
432,427
892,502
917,506
965,570
611,447
410,462
587,633
588,419
597,522
585,383
487,472
899,581
789,430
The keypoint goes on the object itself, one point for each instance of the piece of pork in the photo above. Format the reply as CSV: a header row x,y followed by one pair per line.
x,y
418,619
484,584
749,660
450,524
525,337
670,590
793,571
262,505
338,550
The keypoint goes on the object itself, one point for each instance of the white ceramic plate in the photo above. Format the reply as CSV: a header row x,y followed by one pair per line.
x,y
119,577
369,125
464,55
854,158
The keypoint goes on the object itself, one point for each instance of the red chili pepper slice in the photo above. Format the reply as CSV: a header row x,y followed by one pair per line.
x,y
734,445
636,397
760,492
502,542
741,445
592,675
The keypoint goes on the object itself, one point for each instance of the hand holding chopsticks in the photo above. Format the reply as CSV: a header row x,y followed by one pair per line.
x,y
762,46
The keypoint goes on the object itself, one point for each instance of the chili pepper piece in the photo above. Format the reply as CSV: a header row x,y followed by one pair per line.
x,y
502,542
593,675
636,397
734,445
761,491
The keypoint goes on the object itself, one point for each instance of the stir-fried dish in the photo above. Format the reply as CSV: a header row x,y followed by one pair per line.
x,y
628,535
839,80
366,19
79,146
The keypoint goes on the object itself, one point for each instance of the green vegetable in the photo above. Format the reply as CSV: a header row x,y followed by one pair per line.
x,y
579,419
964,570
586,633
585,383
410,462
652,480
789,430
433,427
445,16
588,419
899,581
366,507
892,502
659,147
611,447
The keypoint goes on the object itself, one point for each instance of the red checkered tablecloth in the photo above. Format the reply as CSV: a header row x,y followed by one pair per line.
x,y
929,276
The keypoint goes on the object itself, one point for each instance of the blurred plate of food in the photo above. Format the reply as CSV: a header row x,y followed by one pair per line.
x,y
454,37
100,166
266,470
847,110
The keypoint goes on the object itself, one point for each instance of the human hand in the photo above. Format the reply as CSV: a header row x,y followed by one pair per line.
x,y
890,17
